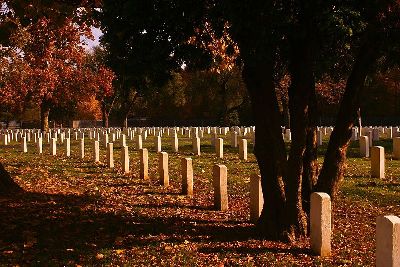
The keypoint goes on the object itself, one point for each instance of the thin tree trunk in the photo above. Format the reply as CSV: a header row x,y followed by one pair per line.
x,y
285,114
310,164
105,120
105,115
126,121
334,164
44,116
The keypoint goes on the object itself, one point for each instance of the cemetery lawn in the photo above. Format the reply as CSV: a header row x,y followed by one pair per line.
x,y
78,213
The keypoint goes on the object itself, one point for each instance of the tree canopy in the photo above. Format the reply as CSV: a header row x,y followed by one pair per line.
x,y
339,41
43,58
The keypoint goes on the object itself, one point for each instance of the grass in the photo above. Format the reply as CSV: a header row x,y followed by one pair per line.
x,y
77,212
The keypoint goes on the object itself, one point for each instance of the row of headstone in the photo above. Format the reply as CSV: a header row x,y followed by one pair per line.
x,y
219,143
113,134
374,133
117,133
377,153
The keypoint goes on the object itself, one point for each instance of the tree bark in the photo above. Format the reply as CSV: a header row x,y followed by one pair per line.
x,y
105,115
126,121
310,164
285,114
302,104
7,184
269,149
334,163
300,92
44,115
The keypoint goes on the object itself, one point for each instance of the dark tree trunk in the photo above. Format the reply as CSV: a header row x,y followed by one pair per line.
x,y
285,114
7,184
105,115
44,115
301,91
126,121
334,164
282,181
302,104
105,120
269,148
310,164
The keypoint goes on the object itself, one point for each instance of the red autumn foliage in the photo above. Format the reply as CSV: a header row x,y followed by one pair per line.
x,y
47,63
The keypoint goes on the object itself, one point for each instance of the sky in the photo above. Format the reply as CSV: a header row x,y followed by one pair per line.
x,y
97,33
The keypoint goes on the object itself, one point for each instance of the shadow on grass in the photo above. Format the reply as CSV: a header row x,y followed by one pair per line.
x,y
254,251
175,205
43,229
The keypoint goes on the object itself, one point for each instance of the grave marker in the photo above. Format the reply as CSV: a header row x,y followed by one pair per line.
x,y
175,146
396,148
187,176
256,197
364,146
157,144
53,147
388,241
163,168
139,142
196,146
96,151
40,145
320,224
144,163
378,162
82,148
68,147
220,187
219,147
24,145
243,149
125,159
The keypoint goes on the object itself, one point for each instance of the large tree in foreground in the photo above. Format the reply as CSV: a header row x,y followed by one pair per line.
x,y
310,39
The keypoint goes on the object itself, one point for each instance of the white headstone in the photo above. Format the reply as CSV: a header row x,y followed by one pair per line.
x,y
163,168
187,176
256,197
378,162
125,159
220,187
320,224
388,241
144,163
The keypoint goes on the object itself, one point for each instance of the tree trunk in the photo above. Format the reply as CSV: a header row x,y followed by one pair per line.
x,y
301,91
310,164
44,115
126,121
105,120
269,149
105,115
334,164
7,184
302,104
285,114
